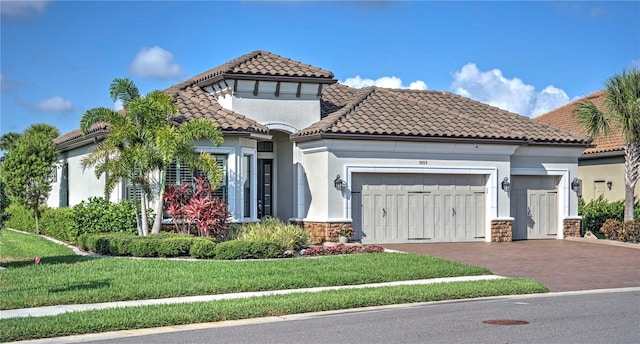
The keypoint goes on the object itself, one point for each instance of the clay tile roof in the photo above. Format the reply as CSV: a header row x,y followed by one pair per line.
x,y
426,114
563,117
260,63
77,133
193,103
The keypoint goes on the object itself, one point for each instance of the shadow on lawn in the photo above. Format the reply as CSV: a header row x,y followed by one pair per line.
x,y
83,286
67,259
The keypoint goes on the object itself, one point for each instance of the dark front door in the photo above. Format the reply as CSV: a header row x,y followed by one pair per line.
x,y
265,187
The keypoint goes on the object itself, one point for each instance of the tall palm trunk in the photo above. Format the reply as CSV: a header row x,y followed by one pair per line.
x,y
143,214
632,160
157,222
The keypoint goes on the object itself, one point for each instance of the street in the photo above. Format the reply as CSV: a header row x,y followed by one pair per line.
x,y
577,317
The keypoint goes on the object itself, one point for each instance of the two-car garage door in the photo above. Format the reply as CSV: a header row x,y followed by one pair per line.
x,y
389,208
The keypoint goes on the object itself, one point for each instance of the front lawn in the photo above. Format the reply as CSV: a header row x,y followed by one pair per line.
x,y
63,278
190,313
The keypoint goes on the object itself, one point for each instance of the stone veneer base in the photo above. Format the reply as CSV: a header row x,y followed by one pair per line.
x,y
571,228
501,230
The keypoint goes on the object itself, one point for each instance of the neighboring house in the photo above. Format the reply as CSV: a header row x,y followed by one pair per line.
x,y
601,168
399,165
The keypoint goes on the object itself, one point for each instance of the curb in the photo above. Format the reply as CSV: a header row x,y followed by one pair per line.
x,y
59,309
605,242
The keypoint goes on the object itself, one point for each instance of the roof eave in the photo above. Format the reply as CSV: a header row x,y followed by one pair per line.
x,y
225,76
83,140
599,155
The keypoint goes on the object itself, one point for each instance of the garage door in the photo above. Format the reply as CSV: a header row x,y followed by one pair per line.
x,y
388,208
534,207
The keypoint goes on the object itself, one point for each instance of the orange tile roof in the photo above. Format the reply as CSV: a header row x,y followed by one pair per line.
x,y
563,117
426,114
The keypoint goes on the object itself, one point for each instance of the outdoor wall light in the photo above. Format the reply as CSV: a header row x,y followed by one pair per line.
x,y
609,184
506,185
575,185
339,183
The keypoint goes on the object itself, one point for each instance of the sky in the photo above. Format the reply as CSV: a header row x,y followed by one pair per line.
x,y
57,58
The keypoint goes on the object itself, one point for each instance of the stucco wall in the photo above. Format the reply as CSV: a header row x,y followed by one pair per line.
x,y
82,184
603,170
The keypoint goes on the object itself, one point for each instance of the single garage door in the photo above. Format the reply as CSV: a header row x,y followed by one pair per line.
x,y
388,208
534,207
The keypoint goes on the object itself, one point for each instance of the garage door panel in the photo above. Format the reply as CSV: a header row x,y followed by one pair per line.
x,y
421,207
534,207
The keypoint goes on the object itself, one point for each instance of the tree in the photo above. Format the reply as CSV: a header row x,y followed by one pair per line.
x,y
27,168
622,106
143,139
4,204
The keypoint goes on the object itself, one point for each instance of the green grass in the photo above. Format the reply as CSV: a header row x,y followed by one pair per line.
x,y
69,279
63,278
165,315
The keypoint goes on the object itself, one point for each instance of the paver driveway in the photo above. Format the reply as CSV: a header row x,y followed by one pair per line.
x,y
560,264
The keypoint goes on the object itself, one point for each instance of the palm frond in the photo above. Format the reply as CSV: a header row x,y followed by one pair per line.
x,y
592,119
98,115
123,89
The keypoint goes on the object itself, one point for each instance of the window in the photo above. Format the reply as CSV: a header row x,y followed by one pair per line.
x,y
178,173
265,146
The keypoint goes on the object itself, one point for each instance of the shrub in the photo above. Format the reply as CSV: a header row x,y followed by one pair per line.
x,y
174,246
57,223
4,204
628,231
144,247
611,229
203,248
341,249
288,236
631,231
20,218
237,249
99,215
194,205
594,213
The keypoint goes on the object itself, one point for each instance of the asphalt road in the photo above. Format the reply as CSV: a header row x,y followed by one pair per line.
x,y
576,317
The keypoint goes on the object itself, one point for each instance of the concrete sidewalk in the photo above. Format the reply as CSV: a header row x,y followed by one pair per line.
x,y
54,310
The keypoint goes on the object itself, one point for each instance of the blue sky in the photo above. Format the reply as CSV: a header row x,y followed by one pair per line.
x,y
58,57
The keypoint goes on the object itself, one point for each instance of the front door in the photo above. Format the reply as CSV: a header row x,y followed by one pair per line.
x,y
265,187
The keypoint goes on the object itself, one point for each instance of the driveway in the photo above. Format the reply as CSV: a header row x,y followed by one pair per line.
x,y
560,264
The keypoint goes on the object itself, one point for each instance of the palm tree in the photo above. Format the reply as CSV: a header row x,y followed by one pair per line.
x,y
142,141
621,106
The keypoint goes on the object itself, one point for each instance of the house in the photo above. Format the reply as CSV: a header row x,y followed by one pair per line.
x,y
399,165
601,168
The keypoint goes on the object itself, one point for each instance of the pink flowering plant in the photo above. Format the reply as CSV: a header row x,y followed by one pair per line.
x,y
342,230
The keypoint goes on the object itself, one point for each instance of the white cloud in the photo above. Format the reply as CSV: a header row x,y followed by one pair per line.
x,y
514,95
155,62
549,99
385,81
54,104
23,9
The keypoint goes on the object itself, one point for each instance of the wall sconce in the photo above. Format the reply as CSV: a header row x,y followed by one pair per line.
x,y
339,184
609,184
576,185
506,185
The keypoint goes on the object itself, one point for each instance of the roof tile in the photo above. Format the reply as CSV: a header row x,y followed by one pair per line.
x,y
563,117
413,113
